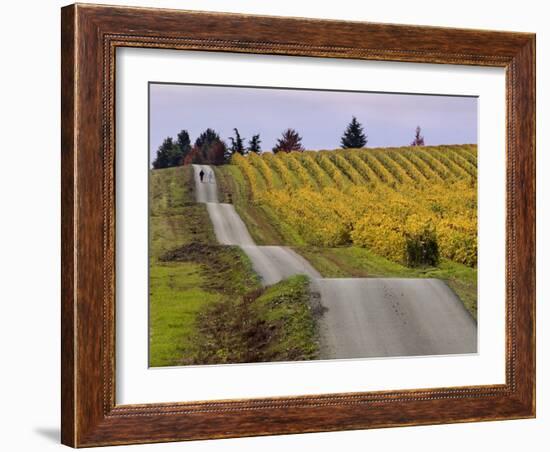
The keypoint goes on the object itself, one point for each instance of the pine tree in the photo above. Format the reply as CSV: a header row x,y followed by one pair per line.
x,y
354,137
228,154
418,139
168,154
237,145
176,156
289,141
206,139
184,143
254,144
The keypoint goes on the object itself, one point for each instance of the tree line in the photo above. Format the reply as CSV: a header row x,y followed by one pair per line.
x,y
209,148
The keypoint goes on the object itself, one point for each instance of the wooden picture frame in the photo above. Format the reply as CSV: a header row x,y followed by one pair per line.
x,y
90,36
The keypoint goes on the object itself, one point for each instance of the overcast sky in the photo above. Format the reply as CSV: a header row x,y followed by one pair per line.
x,y
319,116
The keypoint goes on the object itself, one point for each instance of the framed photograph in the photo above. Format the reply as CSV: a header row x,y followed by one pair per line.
x,y
281,225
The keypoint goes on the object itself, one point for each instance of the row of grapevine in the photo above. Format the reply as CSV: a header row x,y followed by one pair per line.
x,y
375,198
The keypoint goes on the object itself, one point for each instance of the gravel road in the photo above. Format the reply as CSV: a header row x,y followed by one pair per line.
x,y
373,317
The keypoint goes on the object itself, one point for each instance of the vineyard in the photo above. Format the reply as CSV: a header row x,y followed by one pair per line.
x,y
386,200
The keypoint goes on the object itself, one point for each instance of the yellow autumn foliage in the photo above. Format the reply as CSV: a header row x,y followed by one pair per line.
x,y
374,198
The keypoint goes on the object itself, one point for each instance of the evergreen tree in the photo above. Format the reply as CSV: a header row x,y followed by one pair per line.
x,y
228,154
254,144
184,143
289,141
168,154
237,143
418,139
354,137
207,138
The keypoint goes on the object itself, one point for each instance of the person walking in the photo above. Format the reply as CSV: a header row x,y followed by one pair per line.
x,y
201,175
210,177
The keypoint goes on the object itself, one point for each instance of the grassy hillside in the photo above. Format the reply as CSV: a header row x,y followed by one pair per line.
x,y
206,304
187,273
360,212
276,323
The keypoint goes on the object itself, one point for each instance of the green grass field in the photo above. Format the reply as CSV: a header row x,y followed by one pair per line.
x,y
176,298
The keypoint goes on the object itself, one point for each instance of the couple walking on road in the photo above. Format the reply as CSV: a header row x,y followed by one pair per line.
x,y
210,176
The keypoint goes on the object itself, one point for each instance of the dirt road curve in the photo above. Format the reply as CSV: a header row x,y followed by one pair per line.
x,y
274,263
364,317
